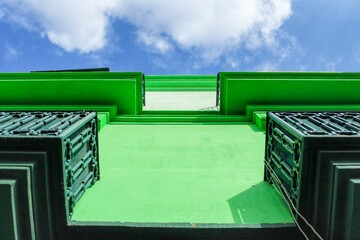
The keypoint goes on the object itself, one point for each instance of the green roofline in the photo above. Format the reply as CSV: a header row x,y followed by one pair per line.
x,y
123,91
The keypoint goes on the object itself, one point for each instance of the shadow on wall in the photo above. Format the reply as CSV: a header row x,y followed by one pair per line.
x,y
260,203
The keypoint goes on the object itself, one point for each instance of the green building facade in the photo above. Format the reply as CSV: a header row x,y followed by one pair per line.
x,y
164,174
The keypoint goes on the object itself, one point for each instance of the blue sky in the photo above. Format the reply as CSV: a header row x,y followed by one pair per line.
x,y
180,37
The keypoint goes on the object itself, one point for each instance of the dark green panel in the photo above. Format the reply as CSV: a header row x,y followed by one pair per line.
x,y
327,161
38,181
342,178
76,136
23,203
303,151
60,152
353,210
8,218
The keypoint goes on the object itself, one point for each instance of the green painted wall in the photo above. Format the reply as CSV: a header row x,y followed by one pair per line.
x,y
182,174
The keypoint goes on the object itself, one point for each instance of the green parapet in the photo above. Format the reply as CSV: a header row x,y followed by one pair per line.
x,y
237,90
180,83
124,90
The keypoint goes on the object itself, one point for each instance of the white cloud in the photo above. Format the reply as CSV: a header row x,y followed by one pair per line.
x,y
70,24
159,43
209,28
330,63
10,53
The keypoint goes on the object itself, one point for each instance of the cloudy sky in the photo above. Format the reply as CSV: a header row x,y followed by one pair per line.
x,y
180,36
